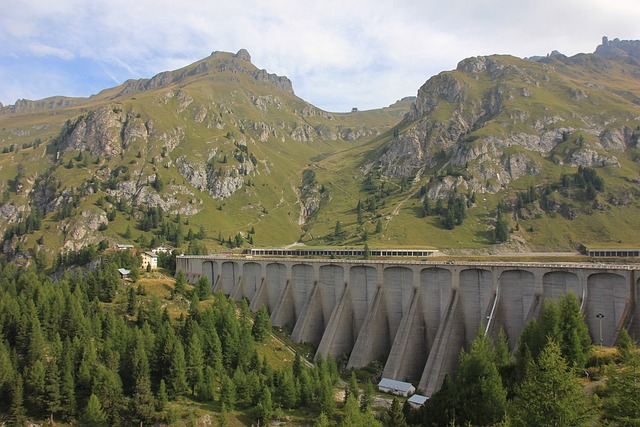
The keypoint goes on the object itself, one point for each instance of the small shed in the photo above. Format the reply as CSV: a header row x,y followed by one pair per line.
x,y
417,400
124,273
399,388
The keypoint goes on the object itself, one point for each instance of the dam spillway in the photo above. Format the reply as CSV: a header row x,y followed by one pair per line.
x,y
417,315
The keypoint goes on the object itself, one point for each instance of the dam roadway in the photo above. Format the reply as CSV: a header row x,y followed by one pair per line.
x,y
417,315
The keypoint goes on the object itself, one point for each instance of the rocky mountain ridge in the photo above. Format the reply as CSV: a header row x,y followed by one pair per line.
x,y
223,146
495,92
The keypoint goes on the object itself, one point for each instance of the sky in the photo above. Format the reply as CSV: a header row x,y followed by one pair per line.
x,y
339,54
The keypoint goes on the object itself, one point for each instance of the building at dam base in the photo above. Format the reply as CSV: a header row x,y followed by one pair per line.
x,y
417,316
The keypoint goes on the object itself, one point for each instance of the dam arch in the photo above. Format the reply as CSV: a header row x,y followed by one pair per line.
x,y
302,280
435,292
516,293
607,295
210,271
397,291
476,293
229,276
557,283
252,278
276,281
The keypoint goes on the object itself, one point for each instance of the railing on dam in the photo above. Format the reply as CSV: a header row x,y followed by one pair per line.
x,y
339,252
416,315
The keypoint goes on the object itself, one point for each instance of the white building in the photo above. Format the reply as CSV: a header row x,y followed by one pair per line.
x,y
399,388
149,259
163,249
417,400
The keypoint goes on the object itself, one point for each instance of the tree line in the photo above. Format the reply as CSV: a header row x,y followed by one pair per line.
x,y
69,351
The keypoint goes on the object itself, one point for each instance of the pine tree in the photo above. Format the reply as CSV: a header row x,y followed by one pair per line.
x,y
287,391
379,226
194,362
93,415
206,391
36,346
481,397
621,402
625,345
227,392
53,397
262,325
67,387
7,371
107,386
352,415
394,417
297,365
180,285
322,421
131,301
366,399
501,350
367,252
448,220
325,397
142,401
202,288
502,228
177,378
575,342
17,412
352,389
163,397
35,385
265,407
223,417
550,395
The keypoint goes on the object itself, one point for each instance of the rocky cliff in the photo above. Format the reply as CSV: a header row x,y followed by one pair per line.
x,y
498,118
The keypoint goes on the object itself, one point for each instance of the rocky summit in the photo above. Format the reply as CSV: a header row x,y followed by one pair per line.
x,y
500,154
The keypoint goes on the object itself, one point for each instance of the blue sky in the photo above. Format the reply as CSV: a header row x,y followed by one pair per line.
x,y
338,54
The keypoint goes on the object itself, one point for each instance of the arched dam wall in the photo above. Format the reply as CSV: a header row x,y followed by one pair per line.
x,y
416,316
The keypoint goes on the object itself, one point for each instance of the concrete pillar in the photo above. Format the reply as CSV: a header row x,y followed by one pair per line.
x,y
444,352
409,351
337,338
259,297
283,313
310,325
372,342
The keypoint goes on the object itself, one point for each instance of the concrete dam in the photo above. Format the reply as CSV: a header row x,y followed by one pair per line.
x,y
416,316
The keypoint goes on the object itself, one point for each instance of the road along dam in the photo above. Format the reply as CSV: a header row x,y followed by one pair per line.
x,y
416,316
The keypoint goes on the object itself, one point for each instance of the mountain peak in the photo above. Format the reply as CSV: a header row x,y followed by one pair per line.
x,y
218,62
244,55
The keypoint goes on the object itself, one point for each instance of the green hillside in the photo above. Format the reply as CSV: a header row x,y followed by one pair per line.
x,y
221,154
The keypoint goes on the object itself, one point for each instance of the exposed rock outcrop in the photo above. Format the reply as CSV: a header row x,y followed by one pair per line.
x,y
617,48
106,132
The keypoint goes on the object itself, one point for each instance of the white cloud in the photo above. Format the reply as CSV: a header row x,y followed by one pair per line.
x,y
337,53
39,49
